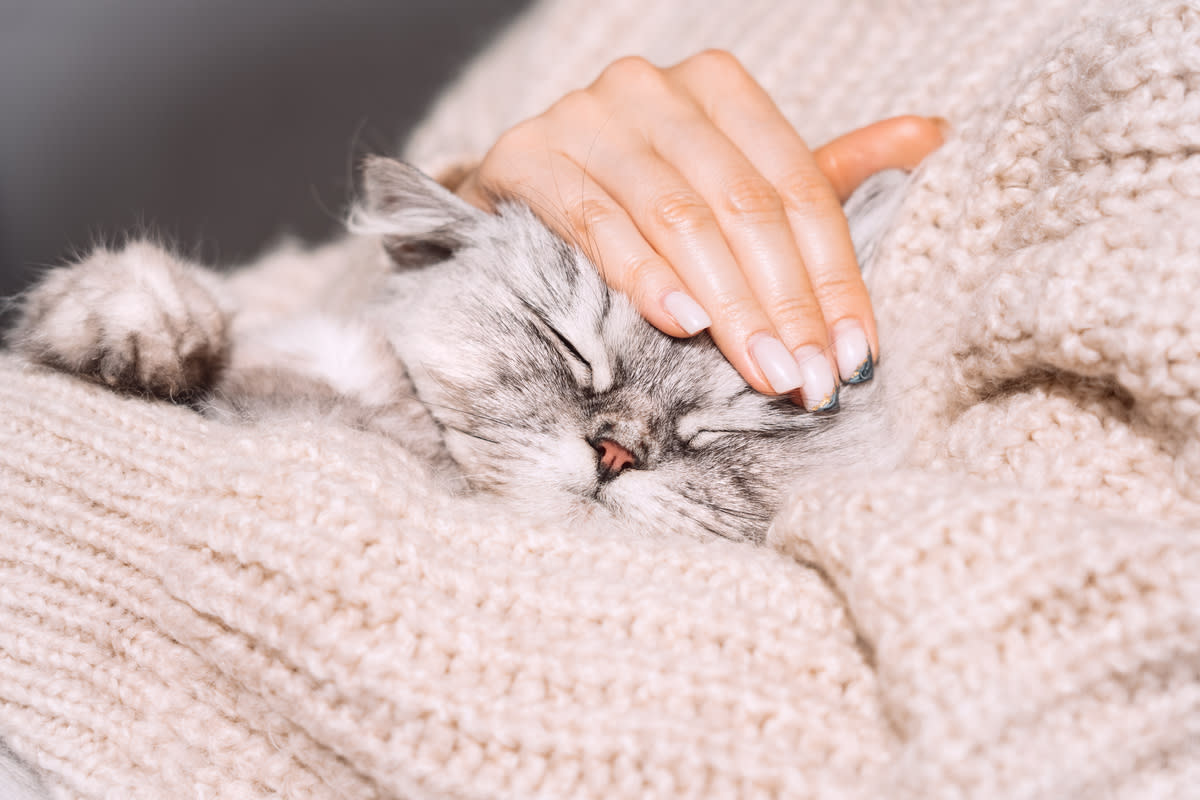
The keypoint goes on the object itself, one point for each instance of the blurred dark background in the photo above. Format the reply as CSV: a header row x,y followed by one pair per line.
x,y
221,124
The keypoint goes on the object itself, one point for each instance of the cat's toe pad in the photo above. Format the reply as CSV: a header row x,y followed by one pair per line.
x,y
137,319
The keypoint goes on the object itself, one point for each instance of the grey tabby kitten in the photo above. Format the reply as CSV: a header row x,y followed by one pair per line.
x,y
483,343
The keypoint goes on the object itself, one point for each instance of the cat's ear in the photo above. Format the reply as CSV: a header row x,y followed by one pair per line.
x,y
421,222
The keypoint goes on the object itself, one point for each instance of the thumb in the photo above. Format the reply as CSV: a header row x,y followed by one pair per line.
x,y
899,142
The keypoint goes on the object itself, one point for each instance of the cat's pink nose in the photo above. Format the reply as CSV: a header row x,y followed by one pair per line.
x,y
614,457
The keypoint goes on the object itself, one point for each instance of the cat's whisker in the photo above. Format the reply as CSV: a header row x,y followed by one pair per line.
x,y
475,414
687,511
467,479
473,435
733,512
705,525
437,379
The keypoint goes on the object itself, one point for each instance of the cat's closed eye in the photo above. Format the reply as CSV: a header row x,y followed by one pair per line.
x,y
570,348
576,362
704,437
698,430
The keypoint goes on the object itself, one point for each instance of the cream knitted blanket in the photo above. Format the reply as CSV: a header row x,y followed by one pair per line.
x,y
189,610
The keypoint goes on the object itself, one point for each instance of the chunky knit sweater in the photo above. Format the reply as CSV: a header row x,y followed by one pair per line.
x,y
195,610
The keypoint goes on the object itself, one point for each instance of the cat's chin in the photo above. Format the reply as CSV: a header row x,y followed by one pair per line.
x,y
569,511
636,503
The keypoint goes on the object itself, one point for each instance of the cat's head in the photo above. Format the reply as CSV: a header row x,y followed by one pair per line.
x,y
552,391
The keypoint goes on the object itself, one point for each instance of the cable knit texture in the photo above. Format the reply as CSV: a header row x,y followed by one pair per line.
x,y
191,610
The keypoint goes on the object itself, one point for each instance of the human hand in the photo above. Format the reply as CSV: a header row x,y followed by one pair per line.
x,y
696,198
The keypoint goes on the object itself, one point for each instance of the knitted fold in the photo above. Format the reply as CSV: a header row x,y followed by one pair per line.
x,y
311,572
1008,625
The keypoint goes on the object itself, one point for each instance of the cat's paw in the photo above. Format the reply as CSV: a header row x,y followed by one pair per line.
x,y
137,319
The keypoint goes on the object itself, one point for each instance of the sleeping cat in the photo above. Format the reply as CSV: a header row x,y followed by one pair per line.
x,y
483,343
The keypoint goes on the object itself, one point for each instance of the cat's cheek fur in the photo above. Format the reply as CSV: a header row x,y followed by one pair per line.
x,y
550,477
541,465
645,501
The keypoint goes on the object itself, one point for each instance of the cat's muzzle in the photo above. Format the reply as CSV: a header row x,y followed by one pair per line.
x,y
612,458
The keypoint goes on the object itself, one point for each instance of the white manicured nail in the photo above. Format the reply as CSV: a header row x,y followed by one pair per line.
x,y
777,364
687,312
854,361
819,387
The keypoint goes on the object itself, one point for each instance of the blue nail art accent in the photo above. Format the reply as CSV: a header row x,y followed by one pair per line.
x,y
865,371
831,402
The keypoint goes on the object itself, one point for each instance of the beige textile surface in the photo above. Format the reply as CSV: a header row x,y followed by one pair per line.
x,y
189,610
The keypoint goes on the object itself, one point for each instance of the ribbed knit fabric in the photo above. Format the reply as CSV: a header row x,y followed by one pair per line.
x,y
194,610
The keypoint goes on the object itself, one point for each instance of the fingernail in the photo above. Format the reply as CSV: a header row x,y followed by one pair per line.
x,y
854,361
943,125
819,386
687,312
782,371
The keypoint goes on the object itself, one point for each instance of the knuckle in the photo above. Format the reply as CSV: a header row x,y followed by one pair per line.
x,y
716,60
793,312
752,196
842,286
631,72
807,195
585,212
742,311
681,212
501,167
639,273
719,69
